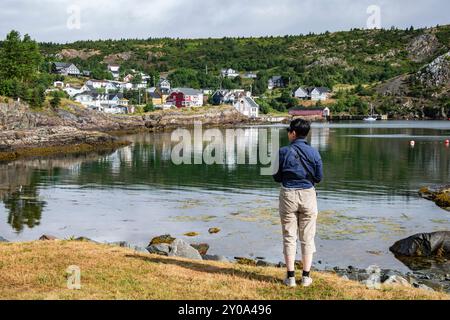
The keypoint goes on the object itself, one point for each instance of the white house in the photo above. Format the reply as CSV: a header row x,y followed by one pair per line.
x,y
108,86
301,93
72,91
320,94
108,103
115,70
248,107
67,69
164,86
312,93
229,73
58,84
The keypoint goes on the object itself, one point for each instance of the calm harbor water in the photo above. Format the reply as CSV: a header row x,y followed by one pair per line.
x,y
367,201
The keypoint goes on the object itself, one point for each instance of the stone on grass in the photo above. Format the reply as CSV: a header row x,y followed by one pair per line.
x,y
202,248
180,248
46,237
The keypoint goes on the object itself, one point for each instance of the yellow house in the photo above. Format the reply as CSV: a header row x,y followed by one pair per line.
x,y
157,99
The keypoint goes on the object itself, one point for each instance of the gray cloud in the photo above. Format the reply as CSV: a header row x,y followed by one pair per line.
x,y
46,20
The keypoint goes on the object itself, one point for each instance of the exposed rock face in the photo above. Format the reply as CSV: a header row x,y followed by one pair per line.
x,y
15,116
423,47
424,245
22,127
328,61
11,140
82,54
437,73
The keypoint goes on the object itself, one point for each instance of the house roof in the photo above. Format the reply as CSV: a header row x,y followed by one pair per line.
x,y
187,91
62,65
251,102
155,95
311,89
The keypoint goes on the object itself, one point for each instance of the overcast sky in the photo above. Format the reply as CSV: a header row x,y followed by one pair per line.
x,y
47,20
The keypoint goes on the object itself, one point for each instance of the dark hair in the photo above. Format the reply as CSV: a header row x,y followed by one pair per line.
x,y
301,127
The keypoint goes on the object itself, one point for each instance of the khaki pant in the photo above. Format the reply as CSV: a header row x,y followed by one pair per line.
x,y
298,213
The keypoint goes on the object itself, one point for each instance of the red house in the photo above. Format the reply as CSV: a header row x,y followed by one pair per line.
x,y
185,97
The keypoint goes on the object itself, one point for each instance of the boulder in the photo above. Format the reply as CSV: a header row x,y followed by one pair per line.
x,y
436,244
440,194
181,249
202,248
162,239
47,237
161,249
397,280
178,248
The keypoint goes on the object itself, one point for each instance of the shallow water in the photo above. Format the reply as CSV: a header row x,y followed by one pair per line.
x,y
368,199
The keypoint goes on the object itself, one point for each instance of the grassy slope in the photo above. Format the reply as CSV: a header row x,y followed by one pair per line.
x,y
36,270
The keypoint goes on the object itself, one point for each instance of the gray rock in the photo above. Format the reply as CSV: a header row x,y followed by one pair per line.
x,y
262,263
218,258
161,249
47,237
423,245
3,239
180,248
397,280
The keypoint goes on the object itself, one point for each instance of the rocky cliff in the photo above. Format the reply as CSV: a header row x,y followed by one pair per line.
x,y
22,127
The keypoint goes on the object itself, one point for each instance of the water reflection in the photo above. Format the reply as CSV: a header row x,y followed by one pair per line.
x,y
359,166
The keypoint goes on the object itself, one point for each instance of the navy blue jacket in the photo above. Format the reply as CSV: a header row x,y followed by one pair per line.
x,y
292,172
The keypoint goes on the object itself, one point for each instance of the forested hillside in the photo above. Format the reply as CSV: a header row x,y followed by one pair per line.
x,y
359,60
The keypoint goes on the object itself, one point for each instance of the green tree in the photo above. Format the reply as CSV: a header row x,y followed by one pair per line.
x,y
55,102
20,59
149,107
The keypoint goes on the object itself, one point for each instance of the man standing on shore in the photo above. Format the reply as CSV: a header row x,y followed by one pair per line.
x,y
300,168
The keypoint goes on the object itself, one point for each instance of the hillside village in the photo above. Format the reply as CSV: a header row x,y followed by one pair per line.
x,y
109,96
398,74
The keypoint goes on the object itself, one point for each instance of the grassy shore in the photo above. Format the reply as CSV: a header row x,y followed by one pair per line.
x,y
37,270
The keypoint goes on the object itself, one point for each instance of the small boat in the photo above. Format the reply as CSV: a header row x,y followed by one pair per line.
x,y
371,118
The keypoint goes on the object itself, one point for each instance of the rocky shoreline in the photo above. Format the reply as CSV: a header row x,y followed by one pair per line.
x,y
25,132
372,277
